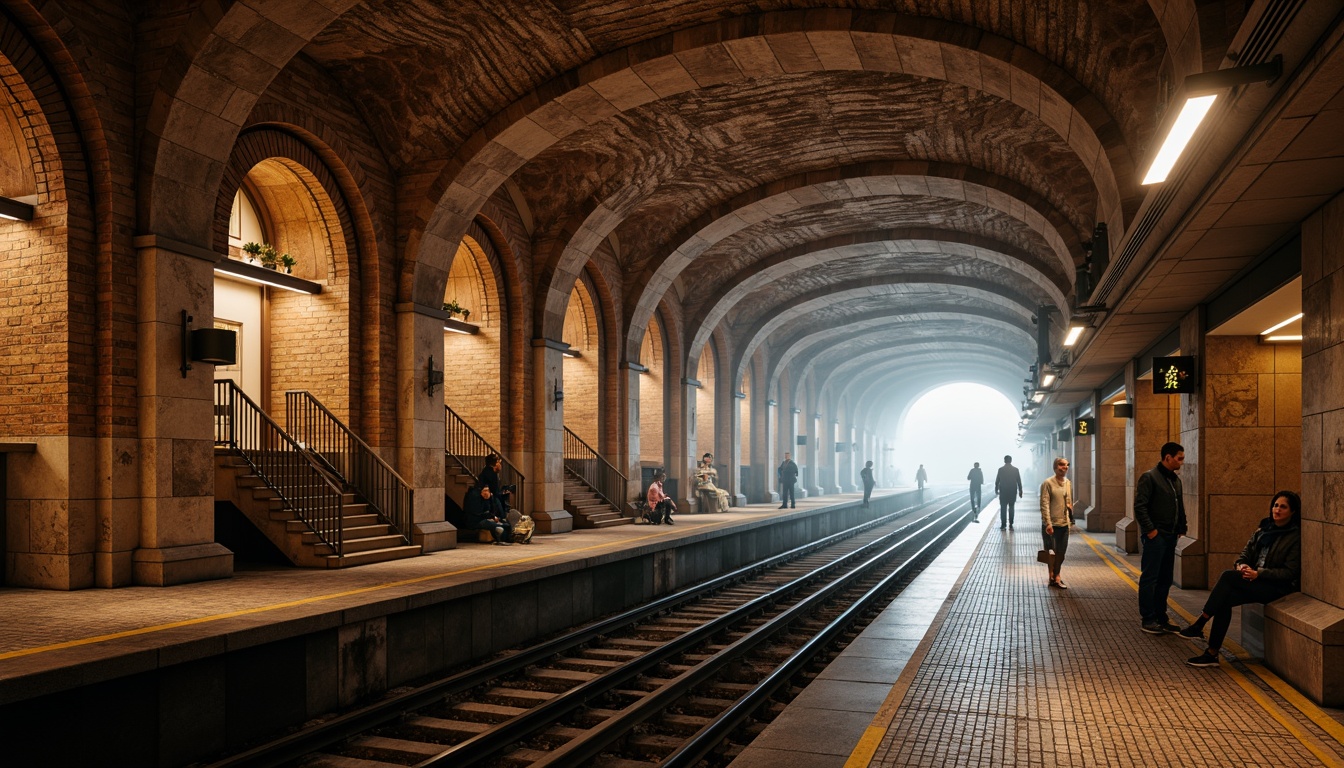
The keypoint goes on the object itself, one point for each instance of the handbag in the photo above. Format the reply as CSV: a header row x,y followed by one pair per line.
x,y
1046,556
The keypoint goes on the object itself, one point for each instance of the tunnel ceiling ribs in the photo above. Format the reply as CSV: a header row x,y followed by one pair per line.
x,y
900,183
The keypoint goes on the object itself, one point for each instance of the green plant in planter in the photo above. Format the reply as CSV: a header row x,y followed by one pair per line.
x,y
453,308
253,251
288,262
269,256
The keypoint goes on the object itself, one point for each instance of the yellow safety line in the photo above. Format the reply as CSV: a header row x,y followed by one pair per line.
x,y
1290,694
315,599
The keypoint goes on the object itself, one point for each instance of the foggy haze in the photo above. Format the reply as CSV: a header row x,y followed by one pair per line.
x,y
950,428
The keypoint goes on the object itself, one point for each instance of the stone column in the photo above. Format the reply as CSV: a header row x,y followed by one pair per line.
x,y
421,422
815,444
177,462
546,480
763,459
684,458
844,461
630,463
1304,632
1126,529
1082,473
1192,562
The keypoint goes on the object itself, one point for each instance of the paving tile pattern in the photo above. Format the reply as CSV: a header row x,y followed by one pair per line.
x,y
1022,674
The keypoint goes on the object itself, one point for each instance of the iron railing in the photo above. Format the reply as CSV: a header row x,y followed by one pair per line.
x,y
468,449
597,472
280,462
365,472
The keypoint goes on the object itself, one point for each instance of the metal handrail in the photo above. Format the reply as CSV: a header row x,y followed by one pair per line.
x,y
365,472
465,446
589,466
280,462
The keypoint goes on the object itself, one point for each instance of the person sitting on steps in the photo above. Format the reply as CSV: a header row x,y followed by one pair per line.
x,y
484,513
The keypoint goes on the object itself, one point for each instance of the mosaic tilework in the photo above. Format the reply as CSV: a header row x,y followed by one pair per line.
x,y
1022,674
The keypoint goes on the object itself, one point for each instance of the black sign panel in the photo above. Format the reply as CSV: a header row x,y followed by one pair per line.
x,y
1085,427
801,439
1174,375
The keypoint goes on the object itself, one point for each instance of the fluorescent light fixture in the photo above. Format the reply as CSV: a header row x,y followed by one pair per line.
x,y
571,353
1283,338
456,330
1074,333
1047,379
1192,114
1038,397
259,281
1200,91
15,210
1292,319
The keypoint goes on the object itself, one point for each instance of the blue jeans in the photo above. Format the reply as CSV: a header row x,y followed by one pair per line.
x,y
975,496
1159,568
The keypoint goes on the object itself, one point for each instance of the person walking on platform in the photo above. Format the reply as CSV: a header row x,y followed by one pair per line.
x,y
921,477
866,474
977,479
1269,567
1008,487
1159,509
788,477
1056,517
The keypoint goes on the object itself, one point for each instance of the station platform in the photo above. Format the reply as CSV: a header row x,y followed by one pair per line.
x,y
979,663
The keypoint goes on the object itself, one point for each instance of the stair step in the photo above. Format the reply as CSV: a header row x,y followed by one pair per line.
x,y
609,523
373,556
350,533
368,543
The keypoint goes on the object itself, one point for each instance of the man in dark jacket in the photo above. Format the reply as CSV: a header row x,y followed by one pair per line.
x,y
788,477
866,474
1159,509
1008,487
483,512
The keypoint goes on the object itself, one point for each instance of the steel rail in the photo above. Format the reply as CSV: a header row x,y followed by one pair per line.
x,y
305,741
490,742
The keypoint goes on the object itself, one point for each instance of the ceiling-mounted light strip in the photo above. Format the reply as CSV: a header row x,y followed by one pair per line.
x,y
1292,319
1074,333
1047,379
1283,338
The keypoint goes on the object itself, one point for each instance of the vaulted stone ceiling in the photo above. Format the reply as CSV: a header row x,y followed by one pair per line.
x,y
892,181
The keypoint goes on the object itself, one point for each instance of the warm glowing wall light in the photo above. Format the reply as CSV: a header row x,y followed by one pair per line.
x,y
1200,91
1074,333
1192,114
1292,319
1283,338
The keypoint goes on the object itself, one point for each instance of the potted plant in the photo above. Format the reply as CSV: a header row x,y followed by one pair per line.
x,y
288,262
453,308
253,251
269,256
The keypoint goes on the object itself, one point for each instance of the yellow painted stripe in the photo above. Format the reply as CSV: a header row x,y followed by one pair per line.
x,y
1290,694
320,598
1322,753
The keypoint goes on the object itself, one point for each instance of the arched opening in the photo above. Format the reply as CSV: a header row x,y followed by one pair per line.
x,y
472,343
289,340
652,430
581,365
934,429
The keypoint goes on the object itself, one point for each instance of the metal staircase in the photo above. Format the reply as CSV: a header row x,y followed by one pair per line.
x,y
595,492
296,500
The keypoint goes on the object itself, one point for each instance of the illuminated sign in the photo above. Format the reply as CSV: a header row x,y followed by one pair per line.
x,y
1174,375
1085,427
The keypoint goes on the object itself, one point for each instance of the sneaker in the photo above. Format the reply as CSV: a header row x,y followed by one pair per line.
x,y
1204,659
782,506
1169,628
1153,628
1057,584
1192,632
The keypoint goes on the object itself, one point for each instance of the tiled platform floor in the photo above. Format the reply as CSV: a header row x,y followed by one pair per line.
x,y
43,630
1011,672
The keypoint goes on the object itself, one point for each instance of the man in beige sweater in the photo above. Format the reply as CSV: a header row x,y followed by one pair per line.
x,y
1056,517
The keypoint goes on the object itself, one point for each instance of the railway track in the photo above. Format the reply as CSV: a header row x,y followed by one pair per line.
x,y
685,680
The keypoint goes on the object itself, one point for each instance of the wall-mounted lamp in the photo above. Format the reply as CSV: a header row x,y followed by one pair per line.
x,y
1075,331
571,353
206,345
15,210
433,378
772,403
1199,91
558,395
1047,379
